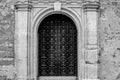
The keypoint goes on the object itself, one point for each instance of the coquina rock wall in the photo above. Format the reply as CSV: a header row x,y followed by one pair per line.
x,y
7,26
109,40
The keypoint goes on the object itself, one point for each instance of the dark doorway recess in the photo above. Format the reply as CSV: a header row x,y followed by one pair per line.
x,y
57,46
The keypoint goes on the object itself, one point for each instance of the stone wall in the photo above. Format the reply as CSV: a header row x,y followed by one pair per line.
x,y
109,40
7,24
109,34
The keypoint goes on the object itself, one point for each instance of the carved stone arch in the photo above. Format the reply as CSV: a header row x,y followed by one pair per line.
x,y
64,10
32,57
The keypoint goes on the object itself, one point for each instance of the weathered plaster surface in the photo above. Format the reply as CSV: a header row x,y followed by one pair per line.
x,y
7,70
109,39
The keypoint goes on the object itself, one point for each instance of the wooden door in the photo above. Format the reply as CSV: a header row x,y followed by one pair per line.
x,y
57,48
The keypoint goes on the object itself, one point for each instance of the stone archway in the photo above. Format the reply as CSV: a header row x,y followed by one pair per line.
x,y
34,42
57,47
28,18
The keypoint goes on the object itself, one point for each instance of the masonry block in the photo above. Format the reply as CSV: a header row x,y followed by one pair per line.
x,y
92,56
91,71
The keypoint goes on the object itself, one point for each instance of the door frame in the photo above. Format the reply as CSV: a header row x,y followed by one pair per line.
x,y
32,39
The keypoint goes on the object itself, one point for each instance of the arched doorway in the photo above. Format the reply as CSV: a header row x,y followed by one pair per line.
x,y
57,46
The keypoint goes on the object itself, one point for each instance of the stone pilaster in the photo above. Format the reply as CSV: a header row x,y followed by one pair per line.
x,y
21,30
91,9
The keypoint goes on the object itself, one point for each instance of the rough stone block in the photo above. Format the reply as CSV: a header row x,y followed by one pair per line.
x,y
6,62
92,37
92,56
91,71
8,72
6,54
92,27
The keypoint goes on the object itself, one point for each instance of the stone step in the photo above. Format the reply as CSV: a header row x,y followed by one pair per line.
x,y
57,78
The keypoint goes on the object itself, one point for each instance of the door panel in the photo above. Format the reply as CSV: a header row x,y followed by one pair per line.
x,y
57,48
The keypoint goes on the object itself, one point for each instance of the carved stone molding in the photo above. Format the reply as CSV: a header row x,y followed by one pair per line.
x,y
91,5
52,1
23,6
